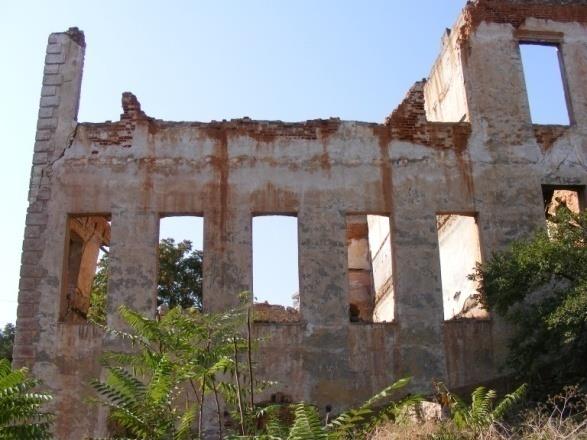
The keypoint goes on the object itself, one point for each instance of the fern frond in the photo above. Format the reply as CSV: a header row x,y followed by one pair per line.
x,y
184,428
307,424
508,401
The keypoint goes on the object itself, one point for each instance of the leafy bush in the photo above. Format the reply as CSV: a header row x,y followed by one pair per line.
x,y
540,286
20,407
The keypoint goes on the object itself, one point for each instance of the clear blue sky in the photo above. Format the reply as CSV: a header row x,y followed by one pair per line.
x,y
204,60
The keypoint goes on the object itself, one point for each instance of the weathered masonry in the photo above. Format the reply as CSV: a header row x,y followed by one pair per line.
x,y
391,217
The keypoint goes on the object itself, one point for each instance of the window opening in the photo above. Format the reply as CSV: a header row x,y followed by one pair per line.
x,y
370,268
181,255
557,196
86,270
275,268
460,251
545,83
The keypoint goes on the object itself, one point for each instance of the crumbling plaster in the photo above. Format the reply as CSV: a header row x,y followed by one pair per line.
x,y
139,168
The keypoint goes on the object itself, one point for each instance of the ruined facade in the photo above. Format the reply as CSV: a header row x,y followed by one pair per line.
x,y
460,149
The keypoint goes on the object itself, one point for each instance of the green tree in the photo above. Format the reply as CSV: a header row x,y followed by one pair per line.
x,y
540,286
179,284
180,274
7,341
20,407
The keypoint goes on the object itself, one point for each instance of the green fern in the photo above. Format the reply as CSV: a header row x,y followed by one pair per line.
x,y
307,424
482,413
157,386
20,408
353,423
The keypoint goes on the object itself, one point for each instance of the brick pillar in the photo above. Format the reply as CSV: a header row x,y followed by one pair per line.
x,y
418,296
323,266
227,257
134,260
55,128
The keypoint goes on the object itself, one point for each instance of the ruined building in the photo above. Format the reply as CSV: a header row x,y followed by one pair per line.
x,y
391,217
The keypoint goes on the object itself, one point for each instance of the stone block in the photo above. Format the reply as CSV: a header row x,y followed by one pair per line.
x,y
43,135
39,218
42,146
55,48
49,101
47,123
53,80
49,90
51,69
55,58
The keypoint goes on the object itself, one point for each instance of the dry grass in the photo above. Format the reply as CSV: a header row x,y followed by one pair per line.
x,y
562,417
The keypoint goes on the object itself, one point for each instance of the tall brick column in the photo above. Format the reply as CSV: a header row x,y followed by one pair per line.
x,y
55,128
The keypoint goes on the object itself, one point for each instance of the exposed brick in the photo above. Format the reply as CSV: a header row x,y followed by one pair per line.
x,y
37,206
36,218
27,310
49,101
47,123
31,257
33,244
39,158
28,283
53,80
43,135
52,58
22,354
54,48
51,69
32,231
44,193
28,323
42,146
49,90
32,271
25,336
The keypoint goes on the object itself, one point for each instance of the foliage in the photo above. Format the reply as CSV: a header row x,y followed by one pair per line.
x,y
482,412
560,417
7,341
20,414
157,386
97,310
180,274
180,279
540,286
354,423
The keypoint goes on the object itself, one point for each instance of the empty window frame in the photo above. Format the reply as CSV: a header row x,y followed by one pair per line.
x,y
85,275
460,251
370,268
181,256
275,268
556,196
545,83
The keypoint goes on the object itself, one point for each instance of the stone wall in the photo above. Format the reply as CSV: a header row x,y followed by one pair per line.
x,y
493,164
